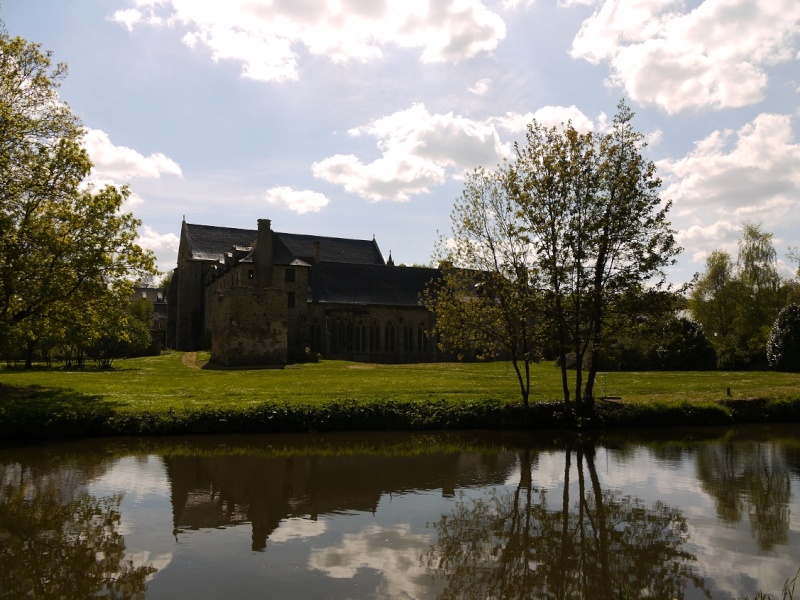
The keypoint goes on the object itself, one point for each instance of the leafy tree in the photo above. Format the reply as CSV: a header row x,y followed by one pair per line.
x,y
59,239
713,304
484,300
105,345
783,346
593,215
142,310
736,302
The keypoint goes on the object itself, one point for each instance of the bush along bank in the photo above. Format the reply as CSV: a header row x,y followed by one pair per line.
x,y
25,422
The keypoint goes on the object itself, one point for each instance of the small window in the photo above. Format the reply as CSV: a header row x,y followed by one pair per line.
x,y
290,299
251,274
288,275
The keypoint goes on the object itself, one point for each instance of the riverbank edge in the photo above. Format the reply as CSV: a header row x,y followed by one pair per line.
x,y
32,422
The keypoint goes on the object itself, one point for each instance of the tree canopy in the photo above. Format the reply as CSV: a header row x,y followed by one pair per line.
x,y
61,241
575,231
485,301
736,301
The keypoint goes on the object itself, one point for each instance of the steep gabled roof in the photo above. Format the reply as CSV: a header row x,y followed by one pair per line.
x,y
210,242
386,285
288,246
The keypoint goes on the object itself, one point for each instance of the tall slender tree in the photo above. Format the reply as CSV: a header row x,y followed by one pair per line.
x,y
484,300
593,214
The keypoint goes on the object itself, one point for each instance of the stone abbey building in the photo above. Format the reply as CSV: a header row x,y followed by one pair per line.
x,y
261,297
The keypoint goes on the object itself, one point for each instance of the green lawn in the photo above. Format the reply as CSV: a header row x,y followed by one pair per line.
x,y
180,393
179,381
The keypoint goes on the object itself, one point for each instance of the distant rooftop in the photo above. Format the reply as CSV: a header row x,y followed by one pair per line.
x,y
210,242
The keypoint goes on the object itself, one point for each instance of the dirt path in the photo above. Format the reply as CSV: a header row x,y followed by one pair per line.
x,y
190,360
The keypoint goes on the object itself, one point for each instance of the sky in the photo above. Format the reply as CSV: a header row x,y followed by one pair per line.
x,y
360,118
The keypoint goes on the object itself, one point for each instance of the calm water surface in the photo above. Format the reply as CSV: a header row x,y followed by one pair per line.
x,y
700,513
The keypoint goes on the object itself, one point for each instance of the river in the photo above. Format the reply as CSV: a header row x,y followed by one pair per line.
x,y
678,513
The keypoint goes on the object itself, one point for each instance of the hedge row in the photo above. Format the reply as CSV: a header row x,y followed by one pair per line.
x,y
381,415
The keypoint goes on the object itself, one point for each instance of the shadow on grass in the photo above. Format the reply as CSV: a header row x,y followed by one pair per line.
x,y
42,412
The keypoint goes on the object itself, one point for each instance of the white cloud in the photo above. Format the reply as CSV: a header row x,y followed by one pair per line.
x,y
417,149
713,56
300,201
120,163
512,4
481,86
420,150
298,529
750,174
756,164
548,116
264,36
393,552
164,246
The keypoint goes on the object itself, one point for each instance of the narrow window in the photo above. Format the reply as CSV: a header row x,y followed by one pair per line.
x,y
374,337
408,338
388,338
360,337
288,275
290,299
315,336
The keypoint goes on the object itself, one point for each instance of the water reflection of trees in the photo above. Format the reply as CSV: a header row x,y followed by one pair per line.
x,y
601,544
750,477
56,544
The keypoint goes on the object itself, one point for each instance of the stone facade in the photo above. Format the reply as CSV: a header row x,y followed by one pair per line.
x,y
260,297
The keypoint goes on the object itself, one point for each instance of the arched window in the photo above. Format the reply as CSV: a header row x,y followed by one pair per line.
x,y
388,338
342,335
315,336
408,338
422,339
374,337
360,337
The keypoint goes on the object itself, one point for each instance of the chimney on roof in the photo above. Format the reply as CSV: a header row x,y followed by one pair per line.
x,y
263,253
316,251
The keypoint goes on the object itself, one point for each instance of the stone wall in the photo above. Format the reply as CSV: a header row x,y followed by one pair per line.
x,y
370,333
248,325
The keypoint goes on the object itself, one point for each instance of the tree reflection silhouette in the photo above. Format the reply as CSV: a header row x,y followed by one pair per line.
x,y
749,476
601,545
56,548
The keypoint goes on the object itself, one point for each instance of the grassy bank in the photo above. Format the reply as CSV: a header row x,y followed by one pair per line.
x,y
182,393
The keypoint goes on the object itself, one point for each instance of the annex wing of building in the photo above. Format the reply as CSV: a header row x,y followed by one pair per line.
x,y
261,297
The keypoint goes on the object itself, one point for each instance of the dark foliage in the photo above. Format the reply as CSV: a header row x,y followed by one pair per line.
x,y
783,346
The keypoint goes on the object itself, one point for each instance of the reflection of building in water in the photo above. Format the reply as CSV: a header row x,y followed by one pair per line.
x,y
223,491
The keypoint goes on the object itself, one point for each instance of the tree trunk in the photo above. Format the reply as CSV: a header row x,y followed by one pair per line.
x,y
29,349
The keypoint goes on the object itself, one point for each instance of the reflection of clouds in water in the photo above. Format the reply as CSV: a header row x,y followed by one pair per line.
x,y
638,473
730,557
145,558
392,551
297,529
137,477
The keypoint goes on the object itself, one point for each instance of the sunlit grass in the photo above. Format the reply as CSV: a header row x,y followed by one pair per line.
x,y
184,393
175,380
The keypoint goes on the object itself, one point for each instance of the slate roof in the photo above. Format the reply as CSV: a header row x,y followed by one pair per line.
x,y
288,246
368,284
210,242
